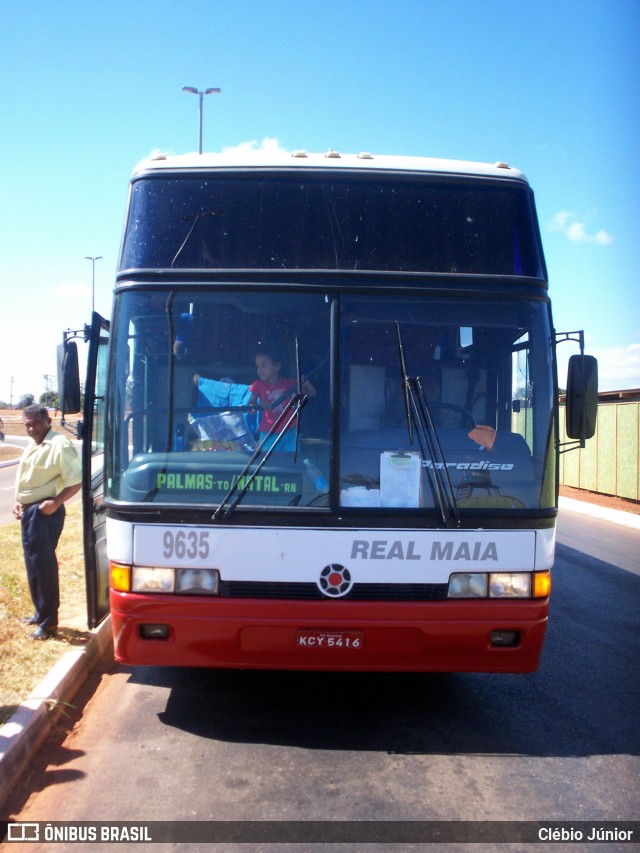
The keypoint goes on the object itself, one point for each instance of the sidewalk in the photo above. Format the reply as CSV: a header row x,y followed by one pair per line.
x,y
615,516
16,445
28,728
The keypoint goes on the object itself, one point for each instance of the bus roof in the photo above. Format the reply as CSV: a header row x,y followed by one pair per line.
x,y
332,160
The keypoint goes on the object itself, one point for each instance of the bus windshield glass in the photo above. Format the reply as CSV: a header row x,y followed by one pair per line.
x,y
298,400
285,221
479,374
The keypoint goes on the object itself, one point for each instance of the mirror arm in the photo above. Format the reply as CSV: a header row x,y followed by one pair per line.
x,y
577,337
566,446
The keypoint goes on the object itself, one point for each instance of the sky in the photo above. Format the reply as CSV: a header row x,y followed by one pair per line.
x,y
87,90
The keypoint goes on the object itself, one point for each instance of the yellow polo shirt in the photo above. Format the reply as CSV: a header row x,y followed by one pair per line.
x,y
46,469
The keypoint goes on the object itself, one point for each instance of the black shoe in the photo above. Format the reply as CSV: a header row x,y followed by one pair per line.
x,y
43,634
29,620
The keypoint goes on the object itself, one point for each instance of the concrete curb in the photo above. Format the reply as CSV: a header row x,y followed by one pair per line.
x,y
8,462
28,728
616,516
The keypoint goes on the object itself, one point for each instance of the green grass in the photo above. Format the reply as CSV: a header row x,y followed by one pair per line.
x,y
25,662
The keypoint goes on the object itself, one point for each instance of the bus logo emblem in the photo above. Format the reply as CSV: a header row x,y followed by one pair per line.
x,y
335,581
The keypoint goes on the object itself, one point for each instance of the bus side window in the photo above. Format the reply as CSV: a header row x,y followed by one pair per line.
x,y
521,405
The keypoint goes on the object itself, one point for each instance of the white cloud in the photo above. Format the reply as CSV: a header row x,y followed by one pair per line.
x,y
269,143
576,231
157,153
74,292
618,366
559,221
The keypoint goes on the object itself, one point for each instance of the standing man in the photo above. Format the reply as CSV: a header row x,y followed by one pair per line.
x,y
49,473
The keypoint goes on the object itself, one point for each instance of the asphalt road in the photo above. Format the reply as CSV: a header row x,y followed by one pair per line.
x,y
562,743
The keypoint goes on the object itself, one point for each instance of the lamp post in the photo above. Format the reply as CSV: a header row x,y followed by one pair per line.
x,y
201,95
93,279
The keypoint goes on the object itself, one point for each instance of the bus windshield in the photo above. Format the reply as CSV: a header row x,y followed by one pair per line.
x,y
298,400
369,222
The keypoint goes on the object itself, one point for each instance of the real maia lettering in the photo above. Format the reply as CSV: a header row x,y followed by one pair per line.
x,y
448,550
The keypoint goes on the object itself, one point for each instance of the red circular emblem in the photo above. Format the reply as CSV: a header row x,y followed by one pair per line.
x,y
335,581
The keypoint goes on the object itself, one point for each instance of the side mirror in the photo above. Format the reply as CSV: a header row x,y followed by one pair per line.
x,y
69,378
582,397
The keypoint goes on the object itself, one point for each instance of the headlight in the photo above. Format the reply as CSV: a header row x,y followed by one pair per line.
x,y
468,585
152,579
182,581
493,585
510,585
198,581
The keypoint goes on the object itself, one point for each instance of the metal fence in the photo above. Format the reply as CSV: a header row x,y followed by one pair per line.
x,y
610,462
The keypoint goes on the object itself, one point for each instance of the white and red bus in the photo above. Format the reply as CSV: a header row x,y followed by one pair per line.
x,y
394,508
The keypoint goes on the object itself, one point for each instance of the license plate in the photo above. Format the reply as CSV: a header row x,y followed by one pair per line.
x,y
314,639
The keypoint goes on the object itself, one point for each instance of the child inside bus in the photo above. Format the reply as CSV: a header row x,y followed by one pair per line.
x,y
272,392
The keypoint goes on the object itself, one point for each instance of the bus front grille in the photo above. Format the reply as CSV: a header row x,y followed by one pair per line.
x,y
310,592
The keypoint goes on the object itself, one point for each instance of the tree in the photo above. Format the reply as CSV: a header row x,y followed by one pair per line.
x,y
25,400
49,399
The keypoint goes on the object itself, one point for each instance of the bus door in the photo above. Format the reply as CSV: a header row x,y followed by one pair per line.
x,y
94,509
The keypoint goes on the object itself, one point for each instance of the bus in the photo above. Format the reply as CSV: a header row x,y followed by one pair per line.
x,y
321,424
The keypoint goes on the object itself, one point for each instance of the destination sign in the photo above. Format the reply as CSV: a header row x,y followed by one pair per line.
x,y
222,481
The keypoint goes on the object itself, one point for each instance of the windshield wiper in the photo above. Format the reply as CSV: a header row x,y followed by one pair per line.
x,y
418,414
299,387
196,218
285,418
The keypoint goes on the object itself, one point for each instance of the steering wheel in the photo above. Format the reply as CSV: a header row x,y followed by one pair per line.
x,y
466,422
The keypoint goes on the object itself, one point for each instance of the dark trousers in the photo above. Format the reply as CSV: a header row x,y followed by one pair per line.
x,y
40,535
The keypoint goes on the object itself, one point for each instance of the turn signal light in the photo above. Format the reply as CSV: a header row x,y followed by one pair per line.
x,y
541,584
120,577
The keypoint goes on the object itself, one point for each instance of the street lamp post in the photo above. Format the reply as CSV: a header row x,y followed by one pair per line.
x,y
201,95
93,279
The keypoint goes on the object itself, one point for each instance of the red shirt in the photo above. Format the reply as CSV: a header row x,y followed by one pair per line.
x,y
268,395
